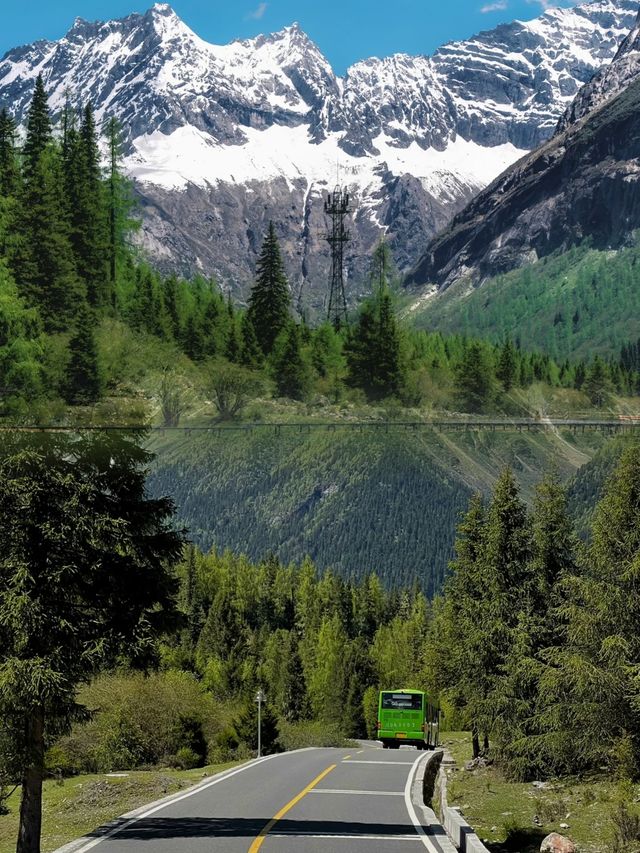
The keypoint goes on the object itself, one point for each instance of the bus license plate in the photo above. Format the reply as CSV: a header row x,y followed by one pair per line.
x,y
401,734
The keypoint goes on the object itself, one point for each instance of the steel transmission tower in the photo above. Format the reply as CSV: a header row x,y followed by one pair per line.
x,y
336,206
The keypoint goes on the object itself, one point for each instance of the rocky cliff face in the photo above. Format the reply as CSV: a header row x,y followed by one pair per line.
x,y
220,139
582,184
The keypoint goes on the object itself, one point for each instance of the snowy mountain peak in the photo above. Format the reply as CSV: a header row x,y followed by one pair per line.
x,y
608,82
261,123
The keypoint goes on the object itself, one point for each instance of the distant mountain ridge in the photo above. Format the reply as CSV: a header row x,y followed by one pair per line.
x,y
581,185
222,138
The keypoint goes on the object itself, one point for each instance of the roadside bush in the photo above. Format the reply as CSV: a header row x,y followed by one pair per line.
x,y
186,759
141,720
310,733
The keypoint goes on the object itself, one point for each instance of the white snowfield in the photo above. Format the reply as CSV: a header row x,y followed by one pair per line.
x,y
190,156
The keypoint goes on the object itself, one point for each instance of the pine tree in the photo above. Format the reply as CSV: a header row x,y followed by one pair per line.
x,y
120,204
84,381
507,365
95,590
9,172
525,749
592,684
374,349
270,300
38,129
473,378
290,367
41,258
389,373
250,351
86,210
457,650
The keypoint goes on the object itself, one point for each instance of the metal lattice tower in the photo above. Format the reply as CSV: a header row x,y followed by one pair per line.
x,y
337,207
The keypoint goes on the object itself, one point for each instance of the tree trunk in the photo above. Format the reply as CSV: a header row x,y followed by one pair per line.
x,y
475,740
31,803
485,747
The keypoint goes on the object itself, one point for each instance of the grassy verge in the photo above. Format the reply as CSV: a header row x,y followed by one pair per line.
x,y
78,805
514,817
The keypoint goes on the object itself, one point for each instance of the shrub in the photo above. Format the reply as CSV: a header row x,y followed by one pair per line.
x,y
141,720
311,733
186,759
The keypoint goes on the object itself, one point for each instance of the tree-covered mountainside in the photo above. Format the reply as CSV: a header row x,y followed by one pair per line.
x,y
354,500
581,185
569,305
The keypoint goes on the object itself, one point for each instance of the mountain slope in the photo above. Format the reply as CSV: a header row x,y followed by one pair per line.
x,y
582,185
357,502
222,138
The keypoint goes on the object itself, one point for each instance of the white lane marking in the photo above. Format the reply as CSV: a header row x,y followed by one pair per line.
x,y
169,802
415,820
359,793
345,837
403,763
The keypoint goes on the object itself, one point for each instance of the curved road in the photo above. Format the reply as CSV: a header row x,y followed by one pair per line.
x,y
311,801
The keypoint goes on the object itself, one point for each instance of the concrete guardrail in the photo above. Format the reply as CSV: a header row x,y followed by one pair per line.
x,y
459,831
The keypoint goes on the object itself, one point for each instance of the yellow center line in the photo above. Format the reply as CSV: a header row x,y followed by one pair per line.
x,y
259,841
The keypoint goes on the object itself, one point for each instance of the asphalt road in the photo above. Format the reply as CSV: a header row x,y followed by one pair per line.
x,y
311,801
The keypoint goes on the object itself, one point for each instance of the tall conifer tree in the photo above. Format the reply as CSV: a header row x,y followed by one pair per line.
x,y
9,172
270,299
38,128
84,383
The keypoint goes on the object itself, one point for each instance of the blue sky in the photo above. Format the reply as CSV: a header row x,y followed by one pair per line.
x,y
345,30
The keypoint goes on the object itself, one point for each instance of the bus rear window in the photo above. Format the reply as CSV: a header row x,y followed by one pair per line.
x,y
401,702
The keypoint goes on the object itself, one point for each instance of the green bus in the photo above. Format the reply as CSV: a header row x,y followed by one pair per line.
x,y
408,716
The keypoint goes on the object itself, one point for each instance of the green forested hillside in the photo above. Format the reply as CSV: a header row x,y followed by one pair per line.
x,y
587,487
355,501
573,305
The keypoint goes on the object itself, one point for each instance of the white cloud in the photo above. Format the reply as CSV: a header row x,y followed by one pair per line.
x,y
258,13
496,6
549,4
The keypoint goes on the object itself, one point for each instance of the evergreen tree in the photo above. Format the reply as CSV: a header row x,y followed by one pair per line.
x,y
290,368
507,365
374,350
507,584
597,383
522,734
460,660
250,351
88,224
473,378
389,378
9,172
233,349
245,727
38,129
270,300
42,259
83,583
120,204
84,381
592,697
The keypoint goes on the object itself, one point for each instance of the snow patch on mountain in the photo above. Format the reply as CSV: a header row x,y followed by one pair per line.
x,y
189,156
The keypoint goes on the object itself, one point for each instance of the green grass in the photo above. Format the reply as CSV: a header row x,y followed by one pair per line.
x,y
73,807
503,812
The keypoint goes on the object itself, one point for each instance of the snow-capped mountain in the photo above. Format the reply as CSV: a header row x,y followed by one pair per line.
x,y
222,138
582,185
